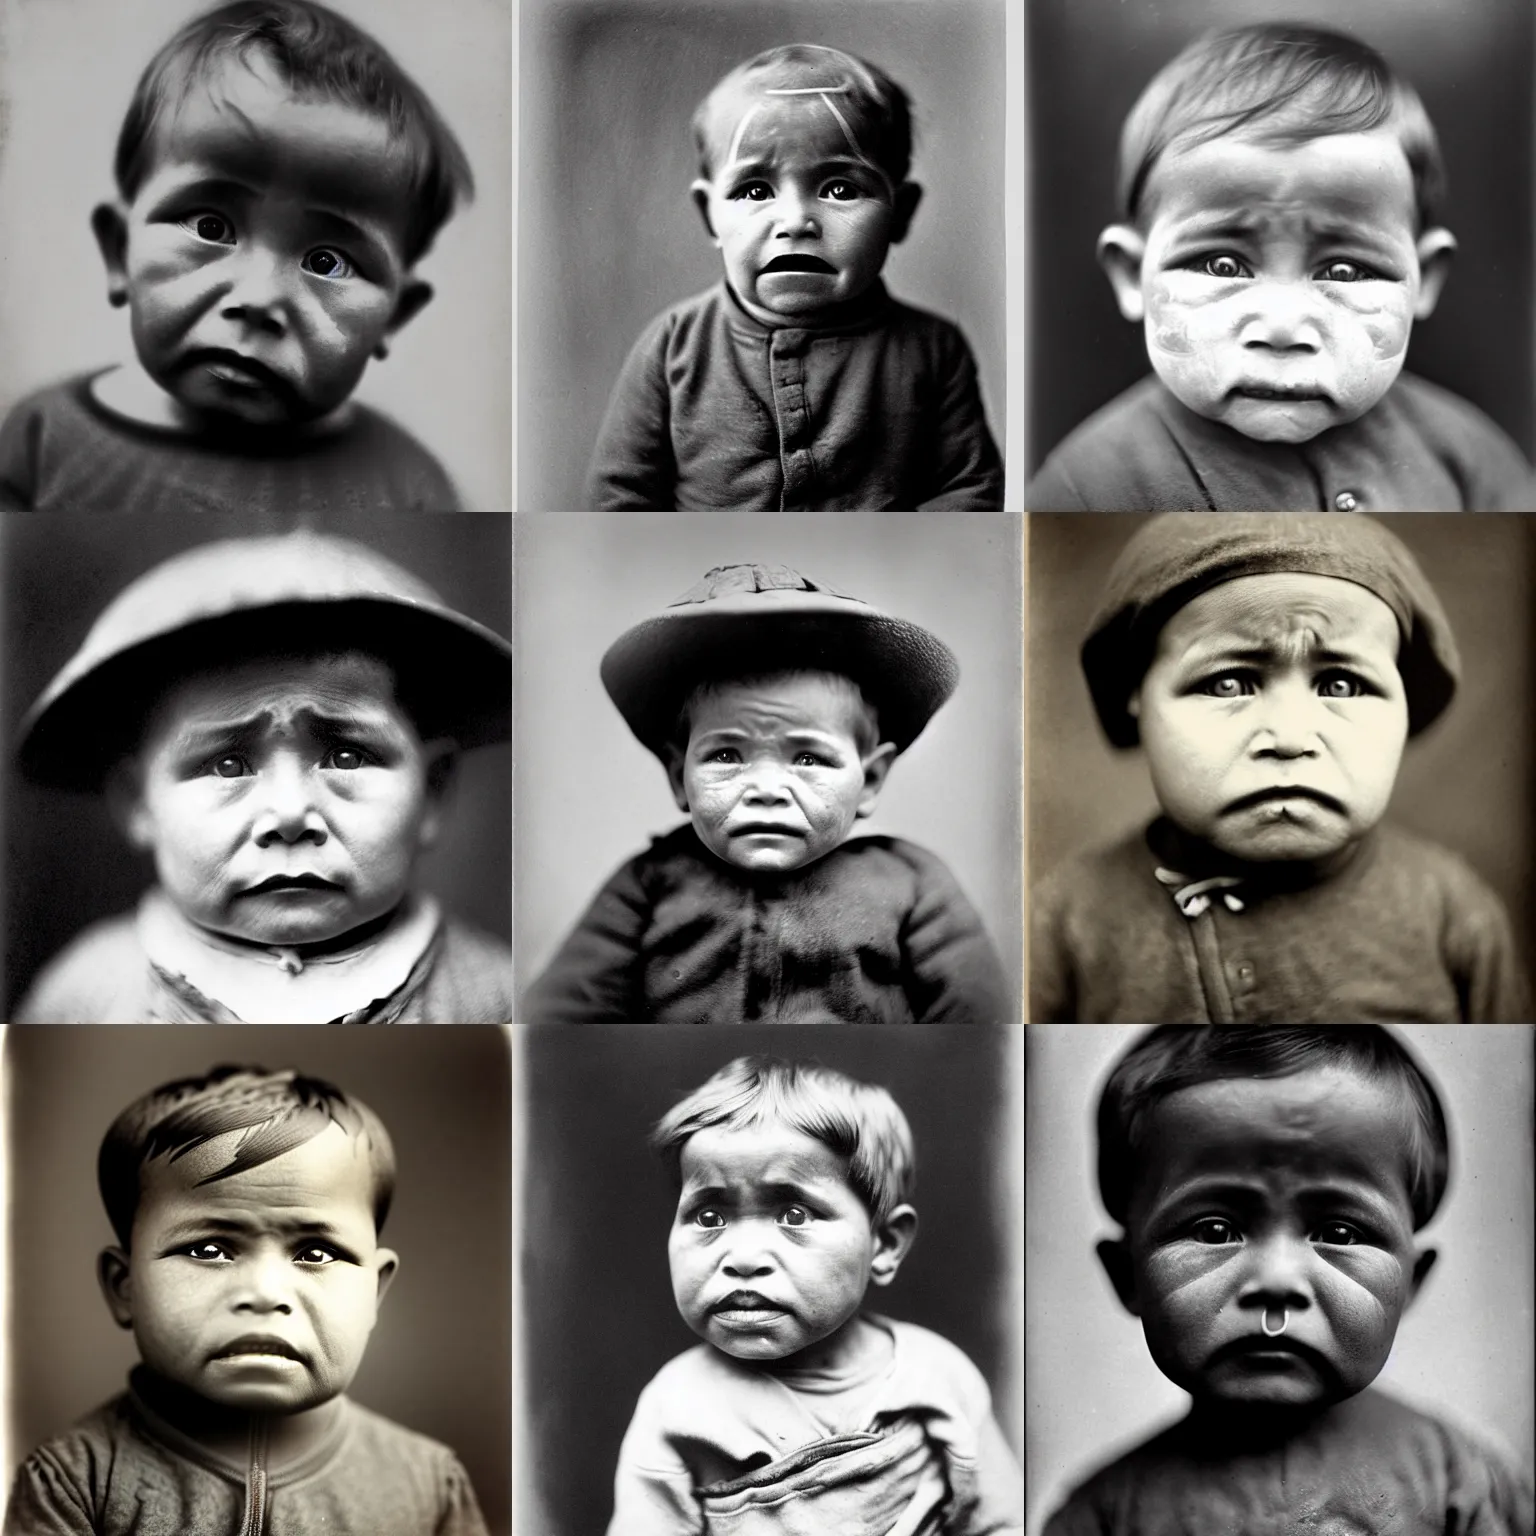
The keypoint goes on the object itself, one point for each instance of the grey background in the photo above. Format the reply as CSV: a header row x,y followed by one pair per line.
x,y
1469,782
65,864
1088,60
589,796
597,1318
608,236
67,73
439,1360
1464,1349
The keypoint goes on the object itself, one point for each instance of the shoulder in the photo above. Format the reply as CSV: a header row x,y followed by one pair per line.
x,y
1490,470
99,1435
66,399
1418,868
474,970
905,319
1121,870
696,1387
85,981
381,1439
937,1360
680,324
417,480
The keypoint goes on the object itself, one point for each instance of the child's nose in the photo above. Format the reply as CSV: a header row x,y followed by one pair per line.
x,y
1281,317
264,1284
1286,722
258,292
750,1253
796,214
1277,1274
765,782
288,809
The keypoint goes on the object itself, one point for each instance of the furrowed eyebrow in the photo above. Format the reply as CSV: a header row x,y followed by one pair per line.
x,y
238,1226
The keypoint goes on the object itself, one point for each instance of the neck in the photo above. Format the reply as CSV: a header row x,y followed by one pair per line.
x,y
858,1342
825,319
227,1432
1254,1426
128,391
353,938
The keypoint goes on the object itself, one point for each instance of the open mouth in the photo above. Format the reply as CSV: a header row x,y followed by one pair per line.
x,y
801,264
1282,395
250,1344
745,1307
1282,796
763,829
292,883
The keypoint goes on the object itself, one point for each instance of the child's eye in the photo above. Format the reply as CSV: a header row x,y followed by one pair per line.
x,y
723,755
345,758
1223,264
209,226
207,1253
754,192
810,760
1345,272
327,261
1339,1234
1339,685
708,1217
230,766
1228,685
794,1216
315,1255
1214,1229
841,190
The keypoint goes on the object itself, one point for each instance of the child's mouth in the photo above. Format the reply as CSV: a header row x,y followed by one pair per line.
x,y
801,264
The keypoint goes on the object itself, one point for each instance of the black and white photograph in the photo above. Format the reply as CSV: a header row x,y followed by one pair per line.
x,y
286,1301
761,255
767,769
256,255
1280,255
1279,1278
258,770
1281,768
815,1325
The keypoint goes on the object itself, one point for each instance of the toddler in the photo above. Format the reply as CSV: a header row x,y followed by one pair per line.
x,y
276,722
1272,666
777,707
1270,1183
279,177
798,383
1280,190
247,1206
801,1412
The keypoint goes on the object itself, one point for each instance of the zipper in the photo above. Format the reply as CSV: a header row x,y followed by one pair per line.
x,y
255,1519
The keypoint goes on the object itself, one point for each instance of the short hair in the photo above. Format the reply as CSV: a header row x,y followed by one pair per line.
x,y
875,112
1278,84
858,1121
865,718
278,1111
319,54
1175,1056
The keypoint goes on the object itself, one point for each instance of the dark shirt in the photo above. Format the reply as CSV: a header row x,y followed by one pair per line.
x,y
714,410
61,450
1419,449
875,932
1405,932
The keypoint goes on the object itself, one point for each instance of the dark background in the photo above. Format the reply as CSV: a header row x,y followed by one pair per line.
x,y
597,1315
66,865
439,1360
609,236
1088,60
1469,782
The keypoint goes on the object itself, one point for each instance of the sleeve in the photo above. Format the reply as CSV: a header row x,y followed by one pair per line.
x,y
652,1486
1052,992
596,978
969,473
18,460
633,466
953,973
461,1512
44,1501
1490,979
1053,490
999,1507
1075,1518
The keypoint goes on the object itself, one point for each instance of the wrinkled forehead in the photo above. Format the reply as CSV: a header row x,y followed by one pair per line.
x,y
805,700
771,119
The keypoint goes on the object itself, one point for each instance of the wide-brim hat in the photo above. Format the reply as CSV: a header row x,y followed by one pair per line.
x,y
1172,559
746,620
209,604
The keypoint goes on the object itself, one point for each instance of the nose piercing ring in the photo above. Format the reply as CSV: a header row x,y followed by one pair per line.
x,y
1274,1333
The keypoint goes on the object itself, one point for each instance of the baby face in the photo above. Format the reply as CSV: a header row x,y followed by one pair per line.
x,y
771,1250
773,777
285,800
1270,1205
802,217
257,1291
263,256
1278,285
1273,715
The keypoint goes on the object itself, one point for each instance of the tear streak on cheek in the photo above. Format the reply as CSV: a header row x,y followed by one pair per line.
x,y
1170,338
1389,338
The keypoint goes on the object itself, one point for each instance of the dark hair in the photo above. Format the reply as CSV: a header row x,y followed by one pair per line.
x,y
878,115
1175,1056
1278,84
866,719
858,1121
319,54
278,1111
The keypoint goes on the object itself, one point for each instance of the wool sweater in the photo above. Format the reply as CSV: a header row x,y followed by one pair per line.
x,y
1405,932
879,410
875,932
1418,449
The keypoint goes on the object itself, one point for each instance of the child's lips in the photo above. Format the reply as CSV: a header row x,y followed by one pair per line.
x,y
799,262
301,882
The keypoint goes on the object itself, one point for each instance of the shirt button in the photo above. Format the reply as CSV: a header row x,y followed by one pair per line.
x,y
1245,972
1346,501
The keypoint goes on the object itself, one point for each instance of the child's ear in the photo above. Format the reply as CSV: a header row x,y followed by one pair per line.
x,y
699,192
1115,1255
442,767
675,778
1423,1262
876,766
414,298
1436,248
1121,251
1133,704
114,1277
908,196
387,1262
109,223
894,1238
125,805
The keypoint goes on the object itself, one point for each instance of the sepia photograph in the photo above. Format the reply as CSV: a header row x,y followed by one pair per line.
x,y
258,255
1279,1278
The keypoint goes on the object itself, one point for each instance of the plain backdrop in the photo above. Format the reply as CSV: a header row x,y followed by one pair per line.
x,y
67,73
439,1360
589,796
596,1314
1088,60
1469,782
1464,1349
609,237
65,864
